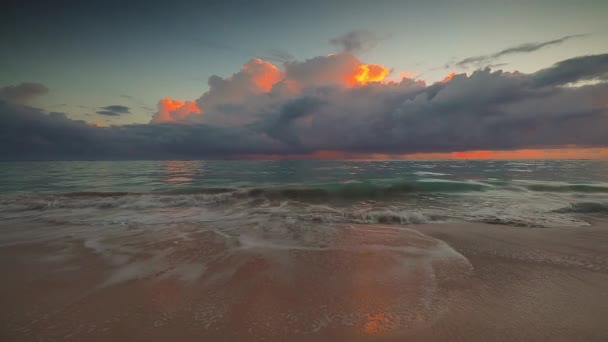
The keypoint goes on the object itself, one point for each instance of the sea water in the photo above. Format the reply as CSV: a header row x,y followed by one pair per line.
x,y
527,193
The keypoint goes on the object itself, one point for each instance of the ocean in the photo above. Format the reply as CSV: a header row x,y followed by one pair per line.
x,y
527,193
304,250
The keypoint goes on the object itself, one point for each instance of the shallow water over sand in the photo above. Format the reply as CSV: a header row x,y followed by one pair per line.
x,y
353,282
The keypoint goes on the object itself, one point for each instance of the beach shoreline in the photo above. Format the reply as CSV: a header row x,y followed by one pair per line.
x,y
427,282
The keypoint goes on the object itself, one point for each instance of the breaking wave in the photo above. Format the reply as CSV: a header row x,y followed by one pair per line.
x,y
585,208
584,188
395,201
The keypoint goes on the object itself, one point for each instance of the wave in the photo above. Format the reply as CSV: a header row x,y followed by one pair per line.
x,y
354,190
388,217
351,191
389,201
585,208
362,190
585,188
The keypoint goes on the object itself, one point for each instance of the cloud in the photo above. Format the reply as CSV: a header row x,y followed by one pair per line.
x,y
113,110
170,110
117,108
574,70
312,107
22,93
342,69
522,48
356,41
107,113
259,87
30,133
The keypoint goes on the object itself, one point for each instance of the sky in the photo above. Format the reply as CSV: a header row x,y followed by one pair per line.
x,y
196,79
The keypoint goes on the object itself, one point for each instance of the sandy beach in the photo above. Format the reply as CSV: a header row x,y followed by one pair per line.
x,y
303,171
432,282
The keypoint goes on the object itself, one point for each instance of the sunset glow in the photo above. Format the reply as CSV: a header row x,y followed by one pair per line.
x,y
319,170
170,110
407,74
264,74
562,153
367,73
448,77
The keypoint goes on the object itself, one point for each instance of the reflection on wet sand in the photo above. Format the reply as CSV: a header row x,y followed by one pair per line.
x,y
328,283
351,282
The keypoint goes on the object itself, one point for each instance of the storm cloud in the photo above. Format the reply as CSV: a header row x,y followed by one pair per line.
x,y
314,105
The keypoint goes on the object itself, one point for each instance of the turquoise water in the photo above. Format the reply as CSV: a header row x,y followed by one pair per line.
x,y
526,193
168,176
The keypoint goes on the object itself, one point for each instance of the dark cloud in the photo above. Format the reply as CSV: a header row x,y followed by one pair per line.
x,y
522,48
22,93
117,108
107,113
574,70
497,65
113,110
283,126
356,41
487,110
29,133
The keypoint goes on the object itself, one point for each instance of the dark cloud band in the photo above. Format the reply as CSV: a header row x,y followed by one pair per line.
x,y
487,110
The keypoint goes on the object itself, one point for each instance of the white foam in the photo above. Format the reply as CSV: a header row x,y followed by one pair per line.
x,y
427,173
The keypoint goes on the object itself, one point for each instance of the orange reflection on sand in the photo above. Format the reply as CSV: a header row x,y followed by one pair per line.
x,y
377,324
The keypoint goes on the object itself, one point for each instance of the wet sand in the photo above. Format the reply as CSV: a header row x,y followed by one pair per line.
x,y
433,282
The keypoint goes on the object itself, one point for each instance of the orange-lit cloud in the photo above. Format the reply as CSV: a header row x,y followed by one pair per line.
x,y
263,74
343,69
170,110
367,73
448,77
243,91
344,108
95,123
407,74
337,102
